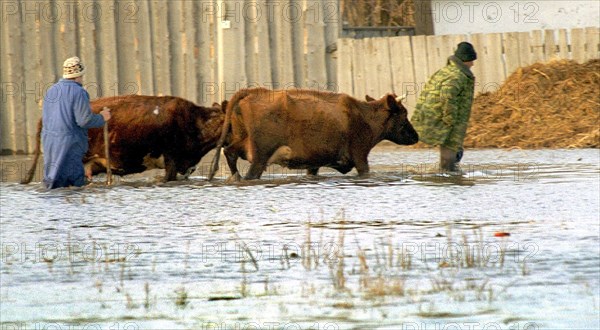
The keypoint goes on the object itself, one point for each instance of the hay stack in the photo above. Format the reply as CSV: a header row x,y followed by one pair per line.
x,y
551,105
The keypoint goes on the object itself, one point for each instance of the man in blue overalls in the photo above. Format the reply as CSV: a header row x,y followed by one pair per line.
x,y
66,117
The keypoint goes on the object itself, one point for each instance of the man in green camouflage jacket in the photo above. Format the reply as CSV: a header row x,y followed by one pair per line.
x,y
443,108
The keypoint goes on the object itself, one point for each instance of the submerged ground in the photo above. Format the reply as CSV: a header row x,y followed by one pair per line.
x,y
514,243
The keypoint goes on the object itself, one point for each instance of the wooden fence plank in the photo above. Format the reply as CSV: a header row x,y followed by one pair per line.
x,y
358,67
143,48
490,63
401,62
370,68
420,56
160,37
511,52
8,87
285,63
208,88
51,65
231,45
383,72
450,42
175,42
563,45
65,30
314,52
592,41
345,72
263,45
188,42
251,44
435,59
550,48
497,71
578,45
14,116
525,58
87,36
107,52
332,21
125,47
295,14
31,90
537,46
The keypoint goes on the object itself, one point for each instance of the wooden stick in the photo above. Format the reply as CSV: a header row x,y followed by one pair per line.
x,y
107,155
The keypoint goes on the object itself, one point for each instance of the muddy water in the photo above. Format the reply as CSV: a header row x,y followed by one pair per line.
x,y
405,248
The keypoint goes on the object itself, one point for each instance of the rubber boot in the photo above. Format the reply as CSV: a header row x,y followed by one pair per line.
x,y
448,160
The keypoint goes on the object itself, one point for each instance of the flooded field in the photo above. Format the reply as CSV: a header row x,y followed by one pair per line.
x,y
513,244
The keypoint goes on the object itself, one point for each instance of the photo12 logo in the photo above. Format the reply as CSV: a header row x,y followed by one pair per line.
x,y
249,325
69,11
269,11
480,11
52,252
37,91
69,326
469,326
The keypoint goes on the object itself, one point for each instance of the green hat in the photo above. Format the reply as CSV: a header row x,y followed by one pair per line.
x,y
465,52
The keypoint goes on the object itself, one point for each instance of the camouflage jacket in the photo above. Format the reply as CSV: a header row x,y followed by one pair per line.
x,y
444,106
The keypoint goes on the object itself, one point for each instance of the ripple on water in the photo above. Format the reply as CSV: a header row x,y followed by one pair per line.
x,y
274,246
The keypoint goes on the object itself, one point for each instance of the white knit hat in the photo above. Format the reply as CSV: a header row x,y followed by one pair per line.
x,y
73,68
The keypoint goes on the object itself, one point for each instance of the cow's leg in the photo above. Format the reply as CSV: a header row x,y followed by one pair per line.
x,y
256,169
231,156
170,169
189,172
94,165
362,166
280,155
312,171
259,158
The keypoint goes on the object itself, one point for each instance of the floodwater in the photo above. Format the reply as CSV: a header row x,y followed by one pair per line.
x,y
512,244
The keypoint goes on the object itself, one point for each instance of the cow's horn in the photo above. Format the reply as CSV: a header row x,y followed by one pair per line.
x,y
401,98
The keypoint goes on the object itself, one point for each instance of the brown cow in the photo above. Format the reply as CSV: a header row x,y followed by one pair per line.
x,y
143,128
303,129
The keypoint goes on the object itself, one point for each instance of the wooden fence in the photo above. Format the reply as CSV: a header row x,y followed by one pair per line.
x,y
403,64
202,50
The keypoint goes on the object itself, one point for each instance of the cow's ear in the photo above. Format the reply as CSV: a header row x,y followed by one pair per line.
x,y
391,104
368,98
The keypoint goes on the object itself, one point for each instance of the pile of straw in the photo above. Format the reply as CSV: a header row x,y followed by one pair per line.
x,y
550,105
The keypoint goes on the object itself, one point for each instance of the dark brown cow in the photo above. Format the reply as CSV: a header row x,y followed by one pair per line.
x,y
303,129
143,128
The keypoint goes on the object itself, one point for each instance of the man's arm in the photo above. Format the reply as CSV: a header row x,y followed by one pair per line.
x,y
84,116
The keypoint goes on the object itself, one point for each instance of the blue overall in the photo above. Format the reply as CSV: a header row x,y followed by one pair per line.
x,y
66,117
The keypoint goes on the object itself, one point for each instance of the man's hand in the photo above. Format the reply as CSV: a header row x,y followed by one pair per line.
x,y
105,114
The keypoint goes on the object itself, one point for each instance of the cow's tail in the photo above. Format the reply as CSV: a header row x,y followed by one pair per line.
x,y
36,153
225,130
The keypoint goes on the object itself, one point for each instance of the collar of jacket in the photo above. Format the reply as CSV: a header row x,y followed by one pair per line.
x,y
69,81
459,63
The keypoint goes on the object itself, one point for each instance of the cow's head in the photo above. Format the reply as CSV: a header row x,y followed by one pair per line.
x,y
398,128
